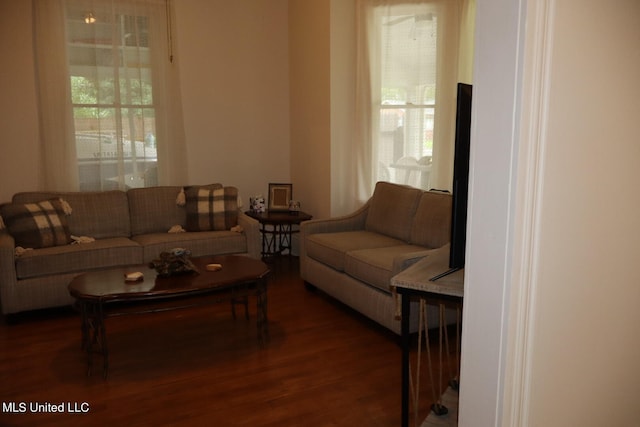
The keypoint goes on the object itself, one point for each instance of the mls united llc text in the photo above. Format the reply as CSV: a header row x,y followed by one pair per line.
x,y
40,407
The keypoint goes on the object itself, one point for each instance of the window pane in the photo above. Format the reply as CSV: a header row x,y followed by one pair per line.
x,y
409,57
92,90
135,87
112,97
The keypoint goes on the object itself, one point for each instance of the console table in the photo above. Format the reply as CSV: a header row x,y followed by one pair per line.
x,y
277,227
414,283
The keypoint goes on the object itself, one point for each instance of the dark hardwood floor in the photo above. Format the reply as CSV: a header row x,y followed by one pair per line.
x,y
325,365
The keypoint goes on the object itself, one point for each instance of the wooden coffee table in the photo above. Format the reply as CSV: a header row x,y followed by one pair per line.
x,y
105,293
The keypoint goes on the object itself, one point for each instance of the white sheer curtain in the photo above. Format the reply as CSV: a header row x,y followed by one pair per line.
x,y
109,99
408,56
58,166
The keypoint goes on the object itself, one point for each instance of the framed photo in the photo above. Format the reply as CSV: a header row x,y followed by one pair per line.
x,y
279,196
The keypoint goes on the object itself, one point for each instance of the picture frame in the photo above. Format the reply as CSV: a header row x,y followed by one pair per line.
x,y
279,196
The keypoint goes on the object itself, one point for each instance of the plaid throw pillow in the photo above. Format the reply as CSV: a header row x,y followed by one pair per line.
x,y
211,209
37,225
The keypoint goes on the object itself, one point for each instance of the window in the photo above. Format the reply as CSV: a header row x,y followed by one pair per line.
x,y
407,70
108,94
407,94
112,99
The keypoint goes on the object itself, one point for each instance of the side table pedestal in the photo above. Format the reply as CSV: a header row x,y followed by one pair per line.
x,y
277,229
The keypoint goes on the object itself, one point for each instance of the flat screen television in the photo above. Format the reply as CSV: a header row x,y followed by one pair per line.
x,y
460,180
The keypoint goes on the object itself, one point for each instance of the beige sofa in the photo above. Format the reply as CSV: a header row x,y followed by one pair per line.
x,y
353,258
127,228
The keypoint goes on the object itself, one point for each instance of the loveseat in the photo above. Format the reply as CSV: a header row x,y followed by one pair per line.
x,y
85,231
353,258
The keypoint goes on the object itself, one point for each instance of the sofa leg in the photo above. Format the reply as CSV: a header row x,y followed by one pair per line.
x,y
308,286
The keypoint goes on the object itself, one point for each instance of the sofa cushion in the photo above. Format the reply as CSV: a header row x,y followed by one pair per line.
x,y
331,248
155,209
431,225
98,214
391,210
200,243
103,253
376,266
37,225
211,209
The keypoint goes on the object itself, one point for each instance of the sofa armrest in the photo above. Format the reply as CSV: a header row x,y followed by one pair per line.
x,y
251,229
350,222
8,280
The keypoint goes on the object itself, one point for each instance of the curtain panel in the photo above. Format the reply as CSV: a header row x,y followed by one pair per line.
x,y
57,160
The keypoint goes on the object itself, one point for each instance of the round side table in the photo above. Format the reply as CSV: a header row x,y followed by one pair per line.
x,y
277,228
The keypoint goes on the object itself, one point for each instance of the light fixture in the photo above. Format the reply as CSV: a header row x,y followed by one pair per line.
x,y
89,18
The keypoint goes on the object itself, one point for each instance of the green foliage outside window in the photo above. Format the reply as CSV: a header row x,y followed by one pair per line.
x,y
89,92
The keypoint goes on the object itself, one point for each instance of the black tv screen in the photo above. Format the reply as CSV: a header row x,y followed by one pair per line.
x,y
460,180
460,177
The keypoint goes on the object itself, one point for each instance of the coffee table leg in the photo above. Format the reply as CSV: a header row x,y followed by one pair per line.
x,y
244,300
94,333
84,324
263,323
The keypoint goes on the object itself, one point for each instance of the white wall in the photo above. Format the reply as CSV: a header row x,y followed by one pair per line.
x,y
494,149
310,104
18,111
234,66
586,343
552,285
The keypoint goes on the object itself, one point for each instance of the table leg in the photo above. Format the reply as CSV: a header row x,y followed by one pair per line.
x,y
262,321
284,238
404,325
84,324
94,333
244,300
265,244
